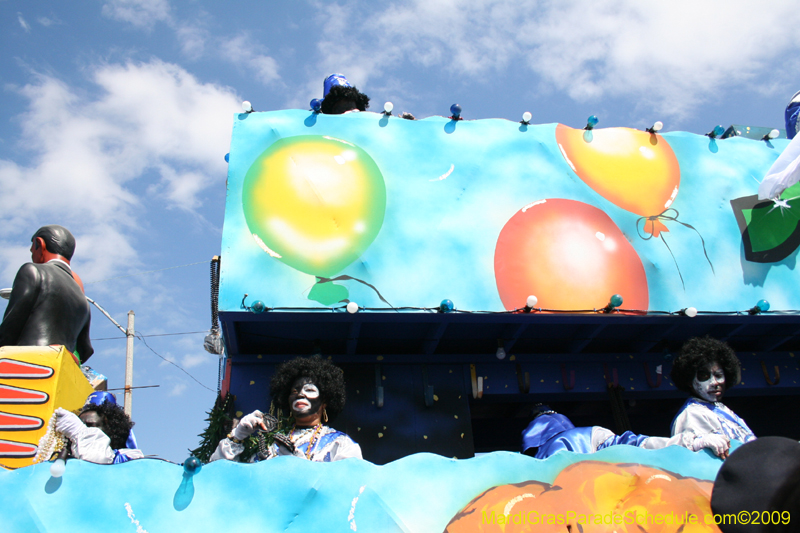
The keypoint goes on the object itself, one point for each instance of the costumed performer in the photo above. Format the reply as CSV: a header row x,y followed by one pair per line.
x,y
550,432
99,434
706,368
312,390
100,397
47,304
791,115
785,171
339,97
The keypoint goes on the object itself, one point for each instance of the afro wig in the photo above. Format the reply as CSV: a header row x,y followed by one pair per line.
x,y
116,424
341,92
699,352
328,377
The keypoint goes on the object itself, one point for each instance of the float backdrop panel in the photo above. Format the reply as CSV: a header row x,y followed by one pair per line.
x,y
385,211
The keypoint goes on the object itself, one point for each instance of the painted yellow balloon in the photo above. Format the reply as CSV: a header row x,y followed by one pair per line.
x,y
636,170
314,202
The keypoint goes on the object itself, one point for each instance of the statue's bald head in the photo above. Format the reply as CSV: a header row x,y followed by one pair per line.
x,y
57,240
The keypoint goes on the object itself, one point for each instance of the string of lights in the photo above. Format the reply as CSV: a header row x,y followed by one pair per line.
x,y
447,306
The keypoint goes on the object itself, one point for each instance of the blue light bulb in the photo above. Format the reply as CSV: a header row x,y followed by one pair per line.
x,y
591,122
446,306
227,158
258,307
192,465
615,301
763,305
718,130
455,110
316,105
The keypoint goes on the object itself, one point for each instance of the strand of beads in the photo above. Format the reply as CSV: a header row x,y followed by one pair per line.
x,y
314,436
51,442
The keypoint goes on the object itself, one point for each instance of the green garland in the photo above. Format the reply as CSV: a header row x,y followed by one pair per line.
x,y
220,423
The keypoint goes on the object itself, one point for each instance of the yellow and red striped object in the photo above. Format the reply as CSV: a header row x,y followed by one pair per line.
x,y
34,381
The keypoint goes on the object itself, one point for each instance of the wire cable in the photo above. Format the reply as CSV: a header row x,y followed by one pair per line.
x,y
141,338
153,335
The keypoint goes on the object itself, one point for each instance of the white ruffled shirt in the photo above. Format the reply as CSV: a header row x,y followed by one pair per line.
x,y
329,445
699,417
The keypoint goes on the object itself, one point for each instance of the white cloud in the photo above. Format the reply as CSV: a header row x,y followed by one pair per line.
x,y
142,13
49,21
245,52
25,25
192,40
195,40
198,358
178,389
669,55
152,127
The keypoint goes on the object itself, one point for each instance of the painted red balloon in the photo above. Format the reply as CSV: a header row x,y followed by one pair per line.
x,y
570,255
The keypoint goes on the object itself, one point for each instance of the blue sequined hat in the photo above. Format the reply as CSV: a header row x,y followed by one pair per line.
x,y
334,79
100,397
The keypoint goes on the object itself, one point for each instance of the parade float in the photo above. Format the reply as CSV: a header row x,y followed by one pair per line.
x,y
460,272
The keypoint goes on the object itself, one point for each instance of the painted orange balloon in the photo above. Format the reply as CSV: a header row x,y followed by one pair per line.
x,y
570,255
636,170
593,497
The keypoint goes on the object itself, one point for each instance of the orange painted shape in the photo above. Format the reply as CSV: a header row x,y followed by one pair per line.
x,y
570,255
9,394
16,422
654,227
11,368
636,170
11,449
593,497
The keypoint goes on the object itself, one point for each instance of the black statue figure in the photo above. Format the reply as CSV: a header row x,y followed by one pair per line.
x,y
47,304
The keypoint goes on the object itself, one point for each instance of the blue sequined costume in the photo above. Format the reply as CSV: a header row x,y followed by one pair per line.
x,y
551,433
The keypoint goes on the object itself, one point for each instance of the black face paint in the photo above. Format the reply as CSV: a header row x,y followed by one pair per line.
x,y
304,398
709,382
92,420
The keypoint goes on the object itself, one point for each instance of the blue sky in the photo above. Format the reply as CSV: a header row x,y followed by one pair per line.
x,y
116,115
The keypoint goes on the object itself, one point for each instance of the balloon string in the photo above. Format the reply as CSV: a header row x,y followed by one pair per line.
x,y
674,218
345,277
674,260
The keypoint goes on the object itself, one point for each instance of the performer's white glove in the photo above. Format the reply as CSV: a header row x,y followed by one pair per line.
x,y
719,444
69,424
248,425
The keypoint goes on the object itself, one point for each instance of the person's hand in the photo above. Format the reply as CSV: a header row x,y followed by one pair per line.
x,y
68,423
249,424
719,444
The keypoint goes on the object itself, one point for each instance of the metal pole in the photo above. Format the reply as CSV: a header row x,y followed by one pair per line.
x,y
129,364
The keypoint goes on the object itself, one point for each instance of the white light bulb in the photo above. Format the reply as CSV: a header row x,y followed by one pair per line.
x,y
658,125
58,467
526,116
352,308
773,134
691,312
246,107
532,301
501,353
387,107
